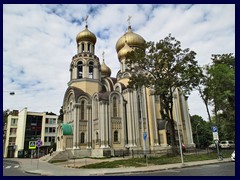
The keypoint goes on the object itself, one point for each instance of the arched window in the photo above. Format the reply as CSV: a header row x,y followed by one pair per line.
x,y
90,71
82,110
96,137
80,69
115,137
82,47
82,137
115,107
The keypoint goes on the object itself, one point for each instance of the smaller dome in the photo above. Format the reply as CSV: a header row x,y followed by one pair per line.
x,y
105,70
123,52
86,35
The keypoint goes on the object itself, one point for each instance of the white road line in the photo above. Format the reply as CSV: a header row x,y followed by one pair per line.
x,y
8,167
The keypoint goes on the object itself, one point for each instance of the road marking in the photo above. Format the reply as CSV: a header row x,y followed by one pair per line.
x,y
17,166
8,167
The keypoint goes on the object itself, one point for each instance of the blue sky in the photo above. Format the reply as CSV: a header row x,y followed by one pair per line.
x,y
39,42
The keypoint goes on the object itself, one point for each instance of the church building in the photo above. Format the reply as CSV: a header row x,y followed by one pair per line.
x,y
102,113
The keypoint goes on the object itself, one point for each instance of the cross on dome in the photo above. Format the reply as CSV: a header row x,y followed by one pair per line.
x,y
86,18
129,18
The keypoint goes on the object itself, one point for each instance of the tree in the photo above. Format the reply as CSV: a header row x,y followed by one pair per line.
x,y
164,67
219,91
60,117
202,134
5,115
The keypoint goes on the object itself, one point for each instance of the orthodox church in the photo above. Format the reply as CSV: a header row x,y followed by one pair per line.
x,y
102,113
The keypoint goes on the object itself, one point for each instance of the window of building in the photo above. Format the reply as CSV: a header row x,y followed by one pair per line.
x,y
46,120
82,137
88,47
14,121
115,136
82,47
90,71
96,137
115,107
80,69
82,110
13,131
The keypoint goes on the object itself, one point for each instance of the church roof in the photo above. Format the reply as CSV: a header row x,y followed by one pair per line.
x,y
67,129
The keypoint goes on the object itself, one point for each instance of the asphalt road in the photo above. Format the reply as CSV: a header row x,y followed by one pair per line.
x,y
13,168
220,169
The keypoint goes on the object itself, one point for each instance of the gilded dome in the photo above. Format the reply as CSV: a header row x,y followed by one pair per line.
x,y
86,35
105,70
133,40
123,52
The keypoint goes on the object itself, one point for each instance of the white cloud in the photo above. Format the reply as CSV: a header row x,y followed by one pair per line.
x,y
39,42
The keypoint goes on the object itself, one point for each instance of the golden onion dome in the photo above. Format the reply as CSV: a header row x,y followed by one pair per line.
x,y
86,35
105,70
123,52
133,40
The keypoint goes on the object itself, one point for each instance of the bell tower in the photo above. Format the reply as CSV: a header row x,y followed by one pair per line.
x,y
85,68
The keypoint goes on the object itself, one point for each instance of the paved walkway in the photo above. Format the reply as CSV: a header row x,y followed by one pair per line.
x,y
36,166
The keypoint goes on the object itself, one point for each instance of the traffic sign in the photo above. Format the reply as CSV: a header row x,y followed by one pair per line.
x,y
214,129
215,133
144,136
32,145
39,143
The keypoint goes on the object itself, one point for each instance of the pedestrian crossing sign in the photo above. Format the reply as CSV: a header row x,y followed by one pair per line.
x,y
32,144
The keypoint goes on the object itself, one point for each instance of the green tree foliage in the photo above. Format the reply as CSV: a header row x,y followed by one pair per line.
x,y
202,134
163,67
5,115
60,117
220,92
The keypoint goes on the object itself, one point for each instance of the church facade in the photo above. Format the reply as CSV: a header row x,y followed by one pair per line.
x,y
102,113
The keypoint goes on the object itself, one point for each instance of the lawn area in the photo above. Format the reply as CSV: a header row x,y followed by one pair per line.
x,y
140,162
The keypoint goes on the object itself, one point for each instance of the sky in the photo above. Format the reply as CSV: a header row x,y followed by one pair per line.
x,y
39,42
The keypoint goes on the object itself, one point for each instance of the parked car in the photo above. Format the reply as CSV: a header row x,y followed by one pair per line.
x,y
212,146
227,144
233,156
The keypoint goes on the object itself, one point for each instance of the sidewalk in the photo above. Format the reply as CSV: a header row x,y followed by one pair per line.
x,y
43,168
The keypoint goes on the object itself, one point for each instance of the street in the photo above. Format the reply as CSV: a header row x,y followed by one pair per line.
x,y
220,169
13,168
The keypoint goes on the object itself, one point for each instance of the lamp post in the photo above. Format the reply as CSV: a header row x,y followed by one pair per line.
x,y
197,135
179,137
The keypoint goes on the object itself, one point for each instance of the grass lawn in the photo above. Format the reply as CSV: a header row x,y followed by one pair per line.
x,y
140,162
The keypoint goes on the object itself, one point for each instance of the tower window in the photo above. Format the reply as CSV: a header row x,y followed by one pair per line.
x,y
90,72
80,69
82,47
88,47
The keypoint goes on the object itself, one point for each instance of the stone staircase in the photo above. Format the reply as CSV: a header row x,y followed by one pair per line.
x,y
58,155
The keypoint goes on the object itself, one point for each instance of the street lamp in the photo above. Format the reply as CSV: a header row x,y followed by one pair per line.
x,y
179,137
197,135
